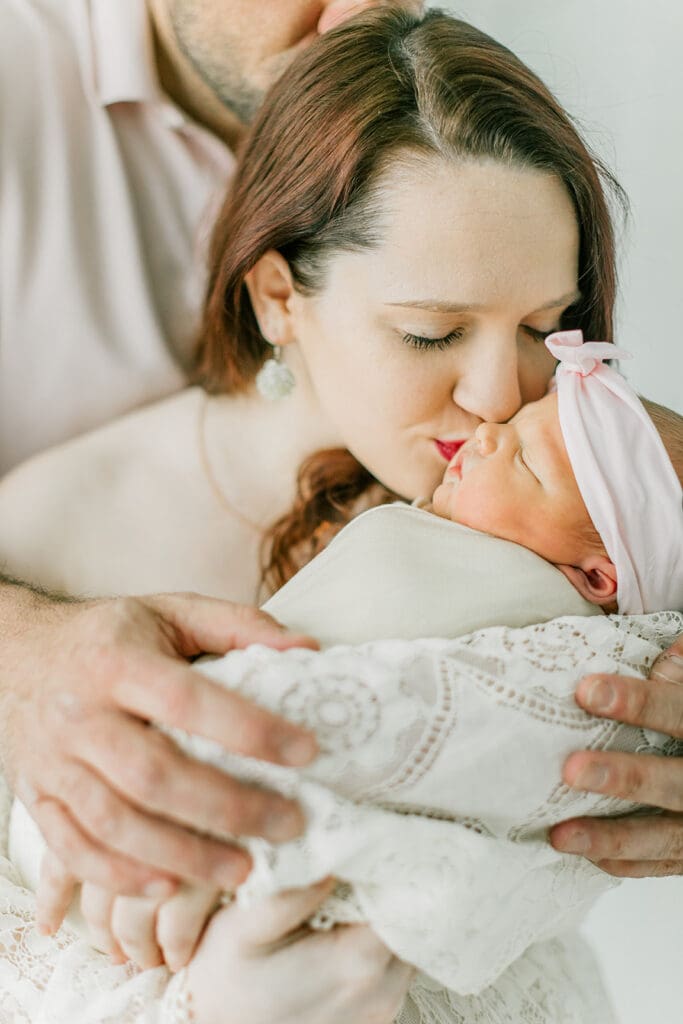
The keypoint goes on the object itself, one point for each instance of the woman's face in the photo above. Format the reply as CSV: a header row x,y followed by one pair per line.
x,y
408,347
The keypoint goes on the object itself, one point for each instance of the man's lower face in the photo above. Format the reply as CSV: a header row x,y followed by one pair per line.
x,y
240,47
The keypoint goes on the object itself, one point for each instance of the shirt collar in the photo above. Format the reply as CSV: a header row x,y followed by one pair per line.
x,y
124,65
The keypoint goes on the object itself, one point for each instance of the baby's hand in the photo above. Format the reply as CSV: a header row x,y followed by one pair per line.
x,y
149,931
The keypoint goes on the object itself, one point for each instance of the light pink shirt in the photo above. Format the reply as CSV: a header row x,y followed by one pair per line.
x,y
106,195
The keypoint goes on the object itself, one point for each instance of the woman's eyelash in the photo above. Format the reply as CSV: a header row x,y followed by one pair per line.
x,y
416,341
539,335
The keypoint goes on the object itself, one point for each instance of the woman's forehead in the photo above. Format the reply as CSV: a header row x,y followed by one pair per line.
x,y
476,233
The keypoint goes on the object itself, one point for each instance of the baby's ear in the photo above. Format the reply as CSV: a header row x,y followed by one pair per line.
x,y
596,579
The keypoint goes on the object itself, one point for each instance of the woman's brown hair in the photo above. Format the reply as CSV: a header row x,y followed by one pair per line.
x,y
384,84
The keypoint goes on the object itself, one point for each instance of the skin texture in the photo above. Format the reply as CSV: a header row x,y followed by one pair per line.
x,y
496,278
503,330
344,976
515,480
452,300
631,847
144,677
218,57
635,846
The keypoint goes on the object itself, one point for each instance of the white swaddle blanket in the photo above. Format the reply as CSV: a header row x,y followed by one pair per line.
x,y
438,776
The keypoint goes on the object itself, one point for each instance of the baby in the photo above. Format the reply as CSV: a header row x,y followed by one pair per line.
x,y
578,477
572,478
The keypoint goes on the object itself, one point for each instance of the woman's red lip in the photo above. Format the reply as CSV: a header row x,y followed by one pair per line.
x,y
447,449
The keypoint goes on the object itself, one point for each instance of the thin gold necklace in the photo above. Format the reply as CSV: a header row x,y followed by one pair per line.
x,y
210,475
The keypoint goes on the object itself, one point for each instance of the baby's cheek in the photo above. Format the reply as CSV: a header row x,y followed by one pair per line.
x,y
440,501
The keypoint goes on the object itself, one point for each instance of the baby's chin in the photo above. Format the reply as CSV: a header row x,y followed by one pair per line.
x,y
441,502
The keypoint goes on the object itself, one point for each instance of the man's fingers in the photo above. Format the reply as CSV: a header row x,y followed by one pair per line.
x,y
640,778
669,665
655,703
268,923
179,697
207,625
641,868
656,837
154,774
88,860
113,823
56,888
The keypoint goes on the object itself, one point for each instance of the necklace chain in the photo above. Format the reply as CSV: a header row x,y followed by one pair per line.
x,y
210,475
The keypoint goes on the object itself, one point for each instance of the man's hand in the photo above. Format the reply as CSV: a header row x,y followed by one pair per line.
x,y
115,799
632,847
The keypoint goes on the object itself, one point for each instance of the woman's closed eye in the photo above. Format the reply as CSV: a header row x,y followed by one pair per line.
x,y
418,341
537,335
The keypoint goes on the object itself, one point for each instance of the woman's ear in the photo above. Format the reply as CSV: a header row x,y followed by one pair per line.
x,y
595,579
271,287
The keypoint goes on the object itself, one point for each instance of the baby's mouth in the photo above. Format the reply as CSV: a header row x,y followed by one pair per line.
x,y
455,466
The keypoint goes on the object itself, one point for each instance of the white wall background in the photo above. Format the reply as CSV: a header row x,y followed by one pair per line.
x,y
617,65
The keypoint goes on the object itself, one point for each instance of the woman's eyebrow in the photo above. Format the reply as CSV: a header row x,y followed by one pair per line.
x,y
439,306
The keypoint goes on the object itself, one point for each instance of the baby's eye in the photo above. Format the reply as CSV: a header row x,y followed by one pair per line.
x,y
416,341
527,467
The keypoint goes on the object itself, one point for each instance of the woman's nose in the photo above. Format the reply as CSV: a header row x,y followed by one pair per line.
x,y
488,385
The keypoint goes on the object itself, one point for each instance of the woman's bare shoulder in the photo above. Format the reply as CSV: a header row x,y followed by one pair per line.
x,y
87,485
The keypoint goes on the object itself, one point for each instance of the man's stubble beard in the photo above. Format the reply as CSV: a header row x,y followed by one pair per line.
x,y
217,64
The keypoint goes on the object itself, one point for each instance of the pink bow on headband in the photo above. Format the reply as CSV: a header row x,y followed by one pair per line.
x,y
624,473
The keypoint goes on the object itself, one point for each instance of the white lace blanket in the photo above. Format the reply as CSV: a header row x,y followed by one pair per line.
x,y
438,778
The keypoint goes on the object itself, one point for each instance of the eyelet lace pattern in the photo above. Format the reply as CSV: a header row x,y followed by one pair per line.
x,y
437,781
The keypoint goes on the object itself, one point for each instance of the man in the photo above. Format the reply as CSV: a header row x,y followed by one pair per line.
x,y
117,123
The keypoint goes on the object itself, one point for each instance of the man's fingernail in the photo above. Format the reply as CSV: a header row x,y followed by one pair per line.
x,y
229,874
283,825
578,842
159,889
668,667
601,696
297,751
593,777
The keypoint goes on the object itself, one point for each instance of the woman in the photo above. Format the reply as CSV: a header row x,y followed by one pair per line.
x,y
409,257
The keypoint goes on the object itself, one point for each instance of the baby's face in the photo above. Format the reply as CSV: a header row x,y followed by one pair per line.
x,y
514,480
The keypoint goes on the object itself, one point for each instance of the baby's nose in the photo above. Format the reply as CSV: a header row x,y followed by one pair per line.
x,y
485,435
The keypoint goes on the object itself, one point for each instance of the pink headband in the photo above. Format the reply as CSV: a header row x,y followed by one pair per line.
x,y
624,473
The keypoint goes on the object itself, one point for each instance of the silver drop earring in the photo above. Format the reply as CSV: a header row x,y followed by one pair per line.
x,y
275,380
